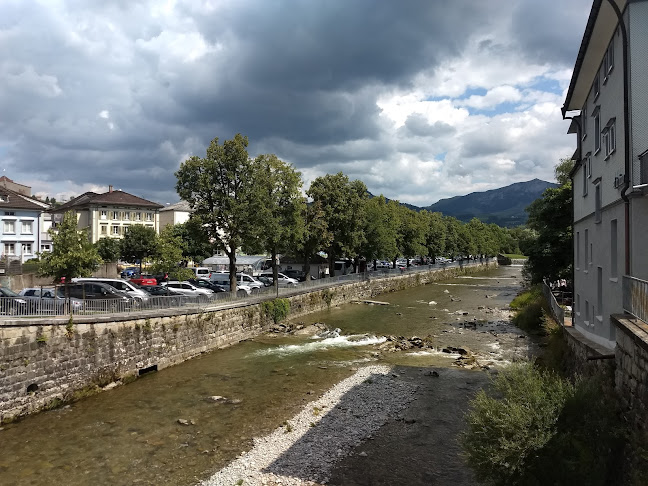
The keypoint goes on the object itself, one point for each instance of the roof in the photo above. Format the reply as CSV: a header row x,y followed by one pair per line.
x,y
179,206
15,200
240,260
114,198
601,24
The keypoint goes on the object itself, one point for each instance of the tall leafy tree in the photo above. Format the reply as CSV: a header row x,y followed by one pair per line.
x,y
194,240
168,254
551,218
411,233
342,202
281,208
221,190
139,244
435,234
380,230
109,250
316,235
452,235
72,255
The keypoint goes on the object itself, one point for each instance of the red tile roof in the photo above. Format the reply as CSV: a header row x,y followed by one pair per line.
x,y
114,198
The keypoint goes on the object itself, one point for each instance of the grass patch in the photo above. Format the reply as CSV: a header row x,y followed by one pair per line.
x,y
515,256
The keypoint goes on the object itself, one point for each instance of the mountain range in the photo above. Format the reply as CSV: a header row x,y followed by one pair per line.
x,y
504,206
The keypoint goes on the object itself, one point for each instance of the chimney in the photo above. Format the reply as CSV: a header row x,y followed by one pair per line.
x,y
110,188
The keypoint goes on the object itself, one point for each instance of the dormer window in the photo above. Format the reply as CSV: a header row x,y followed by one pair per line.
x,y
4,198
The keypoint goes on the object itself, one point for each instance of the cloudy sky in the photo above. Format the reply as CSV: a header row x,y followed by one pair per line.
x,y
420,99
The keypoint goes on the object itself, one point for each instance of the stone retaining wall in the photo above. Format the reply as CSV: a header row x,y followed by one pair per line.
x,y
631,377
44,362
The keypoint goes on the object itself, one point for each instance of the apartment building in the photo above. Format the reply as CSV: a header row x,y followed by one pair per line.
x,y
110,214
608,102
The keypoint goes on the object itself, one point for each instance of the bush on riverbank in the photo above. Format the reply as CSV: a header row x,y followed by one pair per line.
x,y
531,307
276,309
537,428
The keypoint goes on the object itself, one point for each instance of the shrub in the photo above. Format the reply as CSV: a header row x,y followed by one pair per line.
x,y
537,428
276,309
530,306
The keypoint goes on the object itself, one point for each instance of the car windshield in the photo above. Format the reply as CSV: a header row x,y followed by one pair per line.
x,y
8,292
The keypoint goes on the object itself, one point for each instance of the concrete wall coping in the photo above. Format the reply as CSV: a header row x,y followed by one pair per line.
x,y
595,348
633,327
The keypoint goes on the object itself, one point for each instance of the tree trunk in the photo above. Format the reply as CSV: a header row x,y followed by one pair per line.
x,y
375,264
275,271
331,264
307,267
232,269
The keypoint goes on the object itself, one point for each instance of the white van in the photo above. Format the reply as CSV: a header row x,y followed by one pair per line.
x,y
201,272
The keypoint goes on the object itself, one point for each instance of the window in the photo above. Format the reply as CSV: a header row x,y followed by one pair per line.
x,y
596,88
46,248
104,229
26,248
587,314
9,227
599,292
597,202
10,213
613,249
578,249
578,306
10,249
609,137
104,214
115,215
586,248
27,227
149,217
125,229
643,168
597,131
585,164
584,121
115,230
126,216
608,61
138,216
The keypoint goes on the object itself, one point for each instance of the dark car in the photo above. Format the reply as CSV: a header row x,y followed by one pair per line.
x,y
100,296
159,290
207,284
128,272
11,303
299,275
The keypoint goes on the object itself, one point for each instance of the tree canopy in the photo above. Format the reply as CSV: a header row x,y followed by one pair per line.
x,y
138,244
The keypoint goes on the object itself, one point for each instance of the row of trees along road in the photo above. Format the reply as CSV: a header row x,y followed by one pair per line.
x,y
257,205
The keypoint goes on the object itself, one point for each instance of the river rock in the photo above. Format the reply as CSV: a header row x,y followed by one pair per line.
x,y
446,291
182,421
432,302
216,398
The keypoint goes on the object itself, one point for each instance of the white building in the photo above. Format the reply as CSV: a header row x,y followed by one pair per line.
x,y
608,101
177,213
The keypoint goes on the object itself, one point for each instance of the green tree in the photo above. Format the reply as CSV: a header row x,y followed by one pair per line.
x,y
380,230
435,234
342,202
452,235
168,254
281,208
550,216
411,233
109,250
72,255
138,244
194,239
316,235
221,190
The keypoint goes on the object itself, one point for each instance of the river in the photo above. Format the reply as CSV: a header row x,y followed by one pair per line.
x,y
132,435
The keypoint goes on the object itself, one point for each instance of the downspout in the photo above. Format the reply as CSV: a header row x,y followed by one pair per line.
x,y
626,131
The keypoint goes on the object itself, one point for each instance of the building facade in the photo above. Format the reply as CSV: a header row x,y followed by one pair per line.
x,y
177,213
110,214
21,229
607,100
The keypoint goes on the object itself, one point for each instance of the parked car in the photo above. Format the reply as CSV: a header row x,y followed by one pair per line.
x,y
143,279
128,272
11,303
223,279
298,275
160,290
122,285
201,272
99,296
50,299
206,284
187,288
283,280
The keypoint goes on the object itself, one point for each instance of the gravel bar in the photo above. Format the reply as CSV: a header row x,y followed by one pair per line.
x,y
305,448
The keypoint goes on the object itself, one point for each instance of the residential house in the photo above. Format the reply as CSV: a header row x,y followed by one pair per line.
x,y
21,229
608,105
177,213
110,214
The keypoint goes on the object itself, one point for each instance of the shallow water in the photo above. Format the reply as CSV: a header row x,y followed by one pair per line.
x,y
131,434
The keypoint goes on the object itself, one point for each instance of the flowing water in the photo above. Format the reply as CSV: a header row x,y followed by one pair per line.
x,y
131,434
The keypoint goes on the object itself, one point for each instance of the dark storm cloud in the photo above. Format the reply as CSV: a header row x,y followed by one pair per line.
x,y
108,92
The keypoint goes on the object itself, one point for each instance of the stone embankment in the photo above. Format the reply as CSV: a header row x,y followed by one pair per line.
x,y
44,362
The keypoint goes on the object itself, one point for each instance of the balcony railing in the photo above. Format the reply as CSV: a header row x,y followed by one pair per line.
x,y
635,297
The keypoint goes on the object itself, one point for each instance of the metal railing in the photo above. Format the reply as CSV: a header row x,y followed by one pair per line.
x,y
556,310
24,307
635,297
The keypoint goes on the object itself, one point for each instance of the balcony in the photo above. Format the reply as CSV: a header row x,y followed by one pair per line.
x,y
635,297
